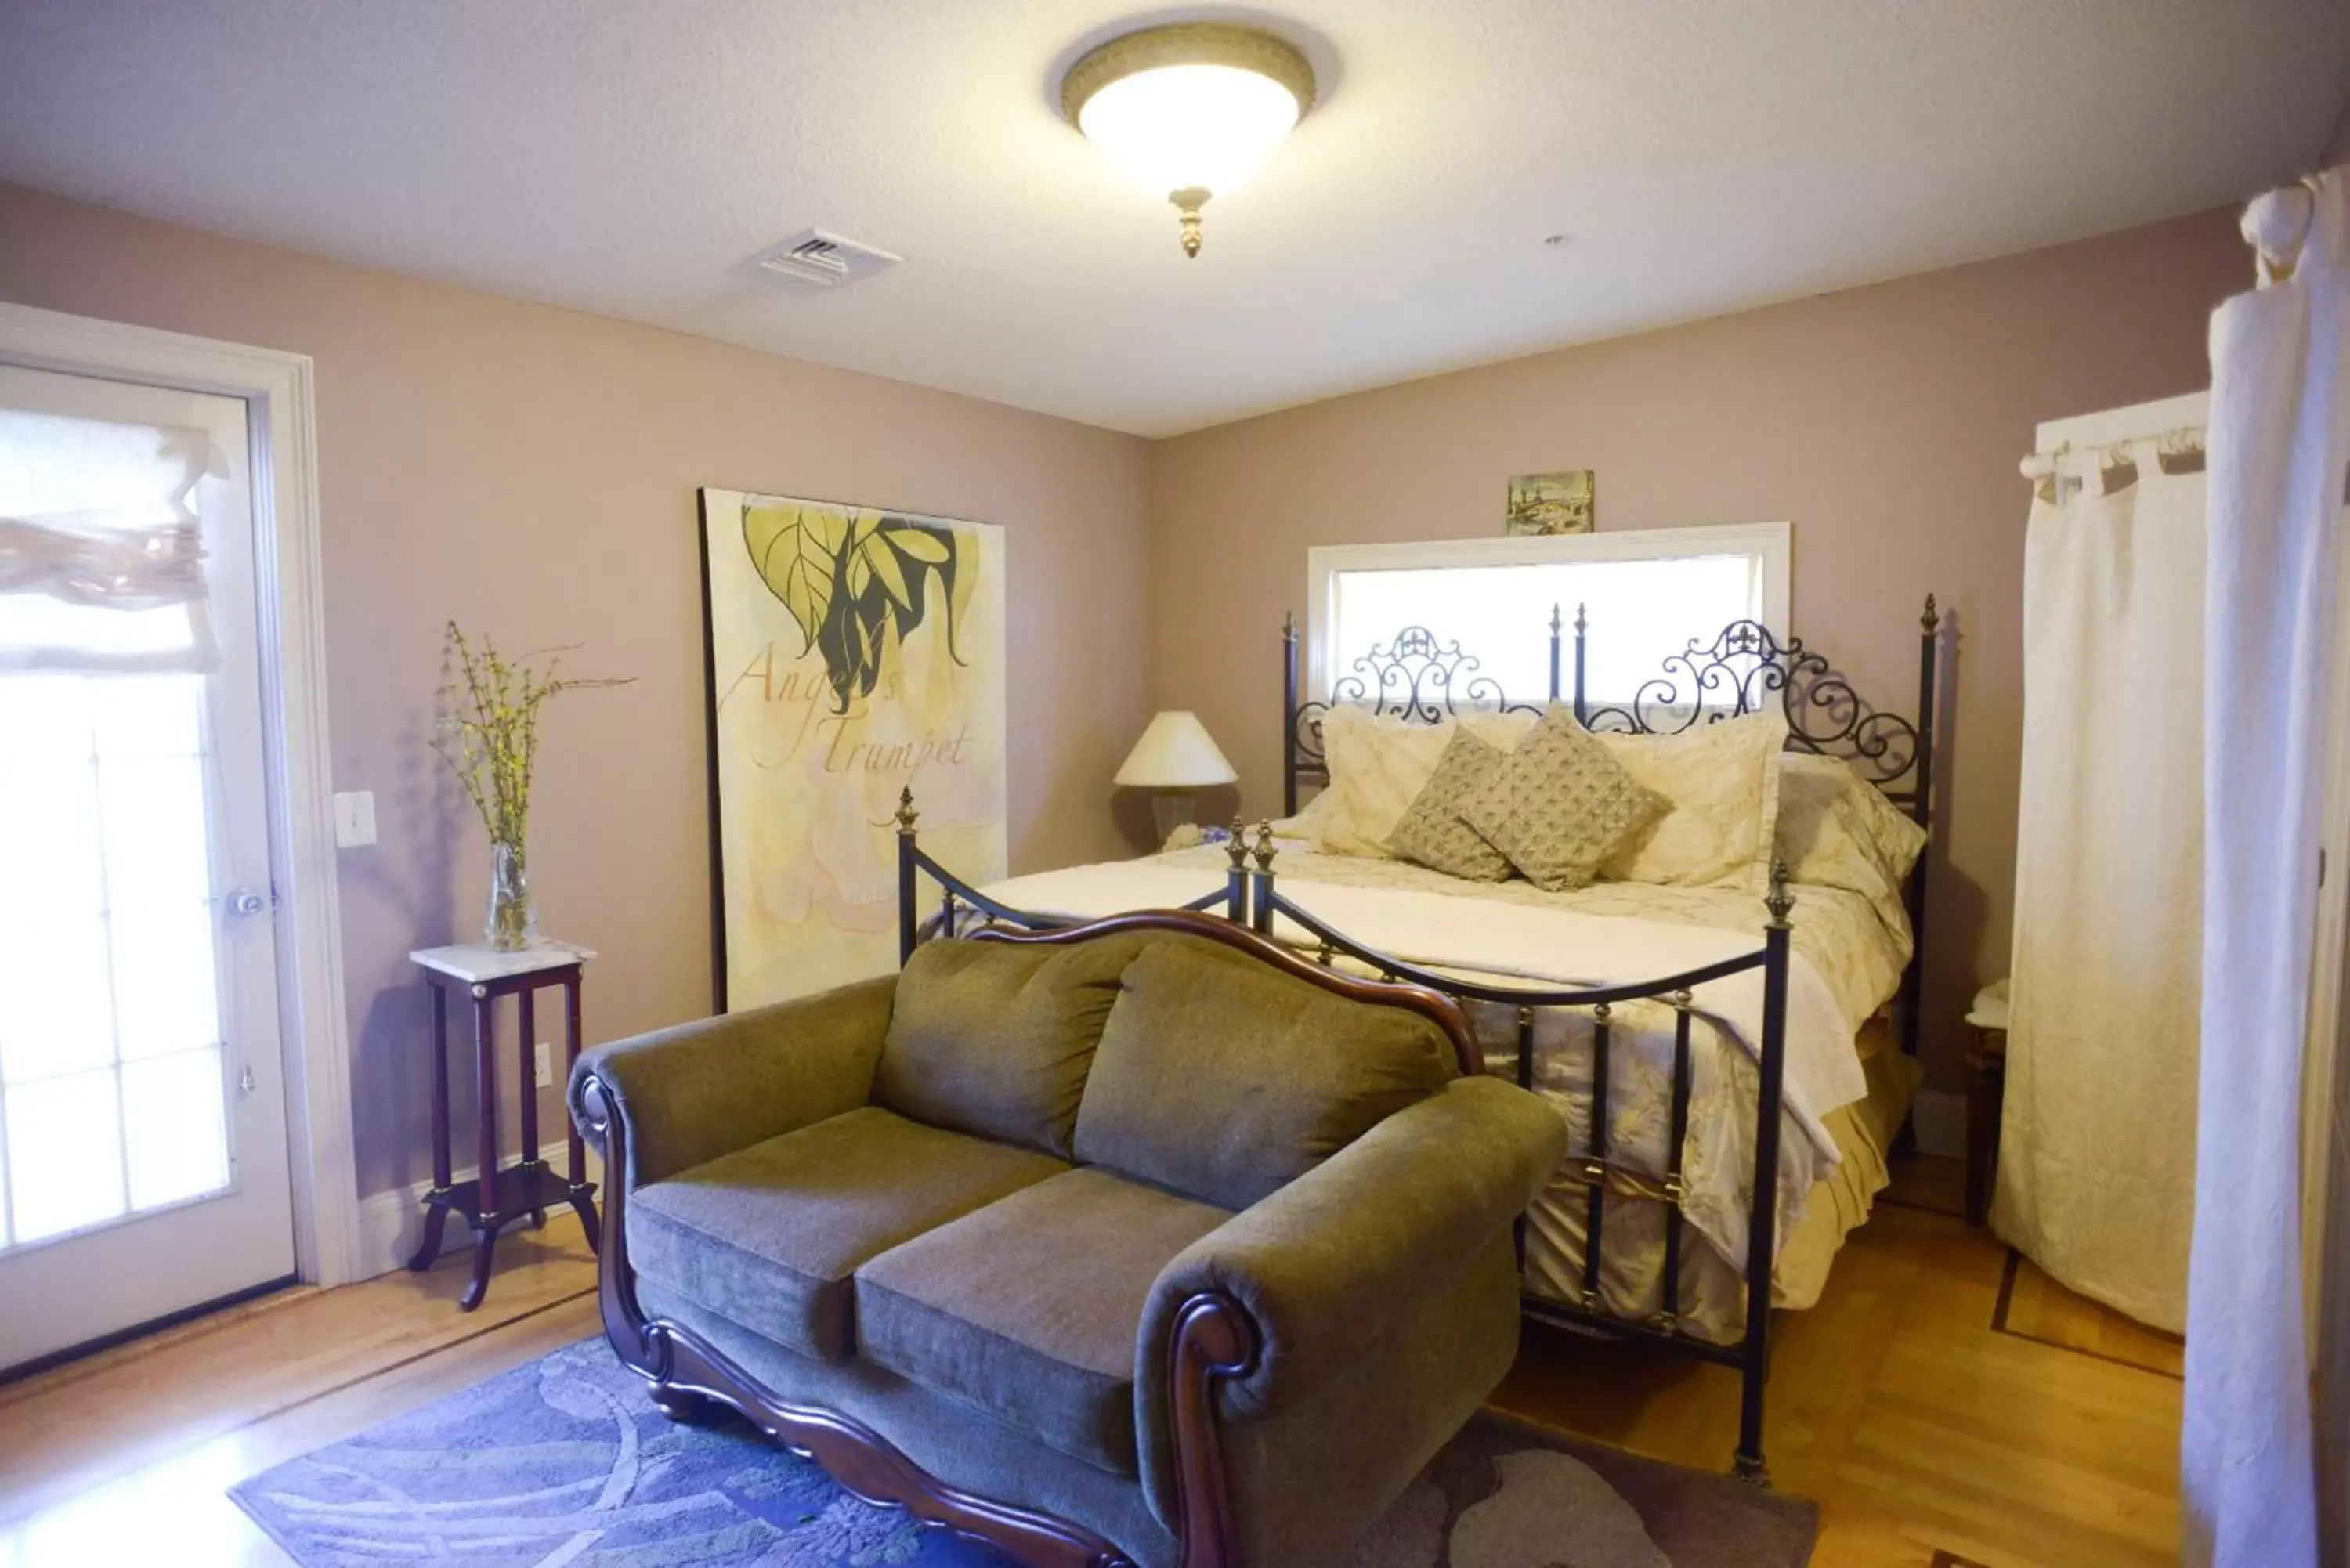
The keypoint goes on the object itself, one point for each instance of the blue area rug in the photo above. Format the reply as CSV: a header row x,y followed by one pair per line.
x,y
565,1463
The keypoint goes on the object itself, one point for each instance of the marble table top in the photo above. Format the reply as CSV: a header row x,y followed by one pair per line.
x,y
475,962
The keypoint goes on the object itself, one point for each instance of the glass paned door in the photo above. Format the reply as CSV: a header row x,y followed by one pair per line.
x,y
143,1132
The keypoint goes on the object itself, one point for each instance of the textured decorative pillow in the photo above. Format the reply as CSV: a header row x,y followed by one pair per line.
x,y
1433,834
1836,829
1378,765
1723,781
1559,805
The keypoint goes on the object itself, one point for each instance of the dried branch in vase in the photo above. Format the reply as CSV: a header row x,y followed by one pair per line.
x,y
488,732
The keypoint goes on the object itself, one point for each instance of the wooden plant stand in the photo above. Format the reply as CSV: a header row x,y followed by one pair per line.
x,y
528,1189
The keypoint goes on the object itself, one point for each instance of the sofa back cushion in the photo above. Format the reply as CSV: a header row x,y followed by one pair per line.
x,y
995,1038
1222,1079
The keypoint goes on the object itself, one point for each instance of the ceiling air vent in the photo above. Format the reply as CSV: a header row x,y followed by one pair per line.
x,y
824,259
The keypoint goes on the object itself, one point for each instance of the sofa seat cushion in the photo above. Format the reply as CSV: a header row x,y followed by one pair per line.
x,y
770,1235
1029,1309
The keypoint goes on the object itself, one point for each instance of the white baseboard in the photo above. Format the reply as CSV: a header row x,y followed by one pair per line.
x,y
1940,1120
391,1224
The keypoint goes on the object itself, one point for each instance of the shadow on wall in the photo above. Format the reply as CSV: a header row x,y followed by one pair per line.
x,y
1958,910
391,1070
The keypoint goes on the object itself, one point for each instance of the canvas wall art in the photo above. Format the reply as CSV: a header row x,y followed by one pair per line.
x,y
851,652
1551,502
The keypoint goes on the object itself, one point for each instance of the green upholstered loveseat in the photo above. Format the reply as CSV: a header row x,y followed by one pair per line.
x,y
1145,1243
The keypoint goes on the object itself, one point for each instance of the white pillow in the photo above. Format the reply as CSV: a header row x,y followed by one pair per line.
x,y
1723,780
1835,829
1379,764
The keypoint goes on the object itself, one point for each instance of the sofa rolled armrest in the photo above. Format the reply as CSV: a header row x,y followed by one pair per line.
x,y
1321,1268
697,1091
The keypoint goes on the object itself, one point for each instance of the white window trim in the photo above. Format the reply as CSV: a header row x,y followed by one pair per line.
x,y
277,391
1774,542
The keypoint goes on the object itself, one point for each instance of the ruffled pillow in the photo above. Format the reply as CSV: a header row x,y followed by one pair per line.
x,y
1835,829
1722,782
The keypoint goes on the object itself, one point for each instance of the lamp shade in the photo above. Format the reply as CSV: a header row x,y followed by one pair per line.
x,y
1175,753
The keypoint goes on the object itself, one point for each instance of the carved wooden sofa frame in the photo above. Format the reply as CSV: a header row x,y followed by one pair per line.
x,y
1214,1338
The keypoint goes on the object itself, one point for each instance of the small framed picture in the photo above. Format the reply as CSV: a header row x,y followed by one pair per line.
x,y
1551,502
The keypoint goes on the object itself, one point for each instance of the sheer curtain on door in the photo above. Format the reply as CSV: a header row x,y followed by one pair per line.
x,y
111,1078
2096,1156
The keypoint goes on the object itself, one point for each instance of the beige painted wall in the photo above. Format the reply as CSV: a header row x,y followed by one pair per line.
x,y
1885,421
532,472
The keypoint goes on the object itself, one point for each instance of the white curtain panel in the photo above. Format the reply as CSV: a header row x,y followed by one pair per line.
x,y
2095,1176
2280,436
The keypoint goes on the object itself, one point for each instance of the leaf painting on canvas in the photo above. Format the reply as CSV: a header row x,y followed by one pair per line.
x,y
857,584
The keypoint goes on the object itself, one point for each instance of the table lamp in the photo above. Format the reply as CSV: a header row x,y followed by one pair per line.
x,y
1174,757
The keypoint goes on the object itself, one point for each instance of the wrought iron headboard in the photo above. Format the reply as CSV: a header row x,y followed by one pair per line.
x,y
1422,679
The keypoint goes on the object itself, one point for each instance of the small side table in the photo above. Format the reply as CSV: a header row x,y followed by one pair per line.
x,y
528,1188
1986,1081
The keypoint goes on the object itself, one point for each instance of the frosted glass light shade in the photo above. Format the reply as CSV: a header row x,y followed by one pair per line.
x,y
1175,753
1190,127
1189,109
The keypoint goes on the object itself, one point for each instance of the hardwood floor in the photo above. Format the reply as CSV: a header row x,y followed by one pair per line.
x,y
1927,1435
125,1458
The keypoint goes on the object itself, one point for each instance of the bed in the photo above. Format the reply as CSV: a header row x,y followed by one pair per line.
x,y
1768,1024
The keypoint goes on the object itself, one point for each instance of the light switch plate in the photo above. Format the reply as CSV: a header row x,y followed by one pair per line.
x,y
355,819
543,1059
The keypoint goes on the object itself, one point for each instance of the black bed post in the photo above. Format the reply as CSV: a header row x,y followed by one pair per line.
x,y
906,922
1582,710
1913,983
1289,713
1260,899
1762,1215
1236,879
1555,690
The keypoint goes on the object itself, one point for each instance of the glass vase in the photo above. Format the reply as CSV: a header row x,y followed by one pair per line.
x,y
513,923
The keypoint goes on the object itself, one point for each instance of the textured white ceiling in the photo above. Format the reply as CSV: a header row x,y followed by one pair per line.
x,y
628,157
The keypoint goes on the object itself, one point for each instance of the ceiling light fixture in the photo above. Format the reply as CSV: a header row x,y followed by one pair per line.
x,y
1189,109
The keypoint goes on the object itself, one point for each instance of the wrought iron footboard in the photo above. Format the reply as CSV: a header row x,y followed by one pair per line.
x,y
1251,898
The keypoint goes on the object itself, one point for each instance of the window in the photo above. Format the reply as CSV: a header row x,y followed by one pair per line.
x,y
1644,596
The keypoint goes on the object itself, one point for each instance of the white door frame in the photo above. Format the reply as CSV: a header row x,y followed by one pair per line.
x,y
276,388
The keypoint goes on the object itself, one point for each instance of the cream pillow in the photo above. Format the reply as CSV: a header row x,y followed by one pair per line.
x,y
1836,829
1723,781
1378,765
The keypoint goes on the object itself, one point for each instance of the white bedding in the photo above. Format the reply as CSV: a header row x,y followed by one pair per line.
x,y
1847,964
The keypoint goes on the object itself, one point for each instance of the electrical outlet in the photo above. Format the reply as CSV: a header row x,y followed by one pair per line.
x,y
544,1058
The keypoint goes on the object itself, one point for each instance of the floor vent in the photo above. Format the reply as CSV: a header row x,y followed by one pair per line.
x,y
825,259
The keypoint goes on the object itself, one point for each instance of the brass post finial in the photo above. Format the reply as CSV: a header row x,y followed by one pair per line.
x,y
1264,849
1931,618
1289,625
1237,844
1555,623
906,812
1581,625
1780,901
